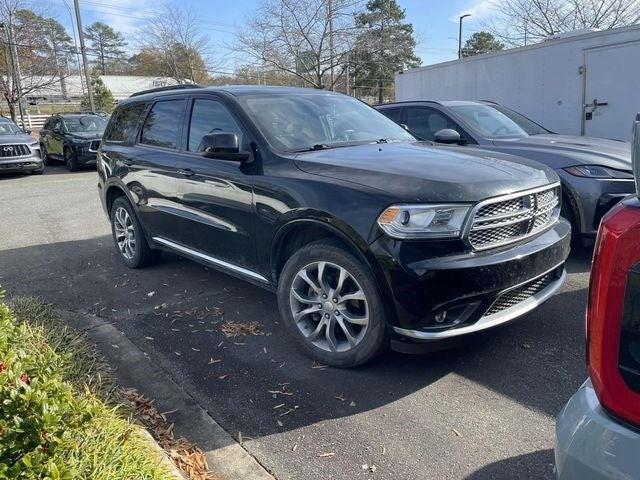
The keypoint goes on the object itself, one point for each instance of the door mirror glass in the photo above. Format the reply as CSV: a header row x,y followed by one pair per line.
x,y
224,145
447,135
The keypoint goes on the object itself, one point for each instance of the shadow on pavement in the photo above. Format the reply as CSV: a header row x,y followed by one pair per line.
x,y
263,384
530,465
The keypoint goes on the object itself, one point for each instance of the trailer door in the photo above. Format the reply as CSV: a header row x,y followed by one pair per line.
x,y
612,90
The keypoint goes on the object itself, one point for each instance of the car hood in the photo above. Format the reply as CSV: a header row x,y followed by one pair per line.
x,y
421,172
558,151
86,135
18,138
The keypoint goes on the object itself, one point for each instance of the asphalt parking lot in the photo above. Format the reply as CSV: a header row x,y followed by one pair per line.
x,y
484,410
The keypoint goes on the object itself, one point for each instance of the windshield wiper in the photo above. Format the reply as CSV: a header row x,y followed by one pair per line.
x,y
317,146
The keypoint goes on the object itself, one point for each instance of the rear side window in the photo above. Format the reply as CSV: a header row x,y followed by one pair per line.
x,y
163,126
124,123
208,116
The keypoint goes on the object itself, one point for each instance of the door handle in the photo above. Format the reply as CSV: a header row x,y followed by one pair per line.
x,y
186,172
128,162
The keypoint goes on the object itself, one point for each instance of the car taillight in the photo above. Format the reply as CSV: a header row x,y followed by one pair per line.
x,y
613,320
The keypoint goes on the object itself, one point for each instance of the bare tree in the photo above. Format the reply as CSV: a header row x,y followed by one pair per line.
x,y
38,67
521,21
175,41
309,39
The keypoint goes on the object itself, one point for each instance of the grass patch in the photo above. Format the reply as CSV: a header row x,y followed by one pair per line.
x,y
59,415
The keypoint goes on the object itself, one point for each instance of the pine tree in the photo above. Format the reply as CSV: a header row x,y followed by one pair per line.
x,y
481,42
102,96
385,46
107,44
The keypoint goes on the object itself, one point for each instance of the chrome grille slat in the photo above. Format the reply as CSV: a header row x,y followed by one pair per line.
x,y
517,295
503,220
14,150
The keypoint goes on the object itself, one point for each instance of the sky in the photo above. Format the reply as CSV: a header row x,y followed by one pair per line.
x,y
435,22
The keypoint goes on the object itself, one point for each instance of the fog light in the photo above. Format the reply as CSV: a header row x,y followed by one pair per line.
x,y
441,317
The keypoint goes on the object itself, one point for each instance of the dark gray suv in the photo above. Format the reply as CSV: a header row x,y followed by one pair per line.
x,y
595,172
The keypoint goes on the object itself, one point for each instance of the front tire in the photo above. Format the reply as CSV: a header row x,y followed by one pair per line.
x,y
43,154
330,302
128,236
71,160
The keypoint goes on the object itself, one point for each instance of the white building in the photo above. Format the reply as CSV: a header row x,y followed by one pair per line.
x,y
121,86
579,83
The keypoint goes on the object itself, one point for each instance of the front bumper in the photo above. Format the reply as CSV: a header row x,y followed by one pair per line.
x,y
21,164
591,444
84,155
592,198
468,287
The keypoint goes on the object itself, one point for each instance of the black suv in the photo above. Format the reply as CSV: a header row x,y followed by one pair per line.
x,y
73,138
369,237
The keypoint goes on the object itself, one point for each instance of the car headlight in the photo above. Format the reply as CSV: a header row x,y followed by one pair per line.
x,y
424,221
597,171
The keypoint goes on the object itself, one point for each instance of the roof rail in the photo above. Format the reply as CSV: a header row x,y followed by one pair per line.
x,y
164,89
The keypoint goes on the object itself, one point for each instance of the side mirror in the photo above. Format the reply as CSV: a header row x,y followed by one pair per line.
x,y
56,130
222,145
447,135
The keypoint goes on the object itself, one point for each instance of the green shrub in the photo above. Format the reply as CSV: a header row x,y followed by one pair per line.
x,y
51,428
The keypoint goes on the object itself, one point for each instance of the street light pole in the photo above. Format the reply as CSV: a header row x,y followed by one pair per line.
x,y
462,17
83,50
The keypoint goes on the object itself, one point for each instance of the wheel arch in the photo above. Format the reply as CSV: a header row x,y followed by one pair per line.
x,y
299,232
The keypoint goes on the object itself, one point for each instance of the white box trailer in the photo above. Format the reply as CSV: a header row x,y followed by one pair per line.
x,y
580,84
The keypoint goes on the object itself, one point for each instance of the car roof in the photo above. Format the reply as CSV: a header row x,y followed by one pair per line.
x,y
444,103
235,90
77,115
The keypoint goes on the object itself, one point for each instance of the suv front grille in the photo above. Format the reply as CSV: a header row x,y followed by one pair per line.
x,y
498,222
517,295
14,151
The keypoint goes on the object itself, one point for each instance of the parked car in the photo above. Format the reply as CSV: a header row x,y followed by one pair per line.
x,y
598,431
73,138
19,151
595,173
369,237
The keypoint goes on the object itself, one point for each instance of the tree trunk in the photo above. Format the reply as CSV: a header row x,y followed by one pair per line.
x,y
380,95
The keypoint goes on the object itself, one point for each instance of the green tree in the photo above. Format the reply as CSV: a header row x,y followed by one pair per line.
x,y
107,44
384,47
479,43
102,96
171,60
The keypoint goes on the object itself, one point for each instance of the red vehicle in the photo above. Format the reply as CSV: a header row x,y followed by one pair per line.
x,y
598,431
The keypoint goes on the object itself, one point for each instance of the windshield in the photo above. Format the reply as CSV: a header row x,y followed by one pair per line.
x,y
87,123
494,121
308,121
8,128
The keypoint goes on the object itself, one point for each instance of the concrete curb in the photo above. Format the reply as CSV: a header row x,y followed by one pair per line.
x,y
134,369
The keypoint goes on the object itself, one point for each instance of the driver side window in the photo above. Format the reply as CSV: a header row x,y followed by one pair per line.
x,y
210,116
425,122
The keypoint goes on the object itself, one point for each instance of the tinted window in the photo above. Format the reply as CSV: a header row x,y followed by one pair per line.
x,y
303,121
425,122
85,123
393,113
490,122
124,123
208,116
164,124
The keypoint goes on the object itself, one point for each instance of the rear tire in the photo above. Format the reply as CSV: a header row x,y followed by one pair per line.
x,y
341,323
43,154
128,236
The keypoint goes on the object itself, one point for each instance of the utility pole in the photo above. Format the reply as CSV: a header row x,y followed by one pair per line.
x,y
83,49
462,17
15,66
330,14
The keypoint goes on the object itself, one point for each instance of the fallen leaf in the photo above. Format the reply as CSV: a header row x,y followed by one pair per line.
x,y
294,447
222,377
151,294
340,397
327,454
212,361
456,432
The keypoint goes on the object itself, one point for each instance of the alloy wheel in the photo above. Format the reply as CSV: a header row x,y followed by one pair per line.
x,y
125,233
329,307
